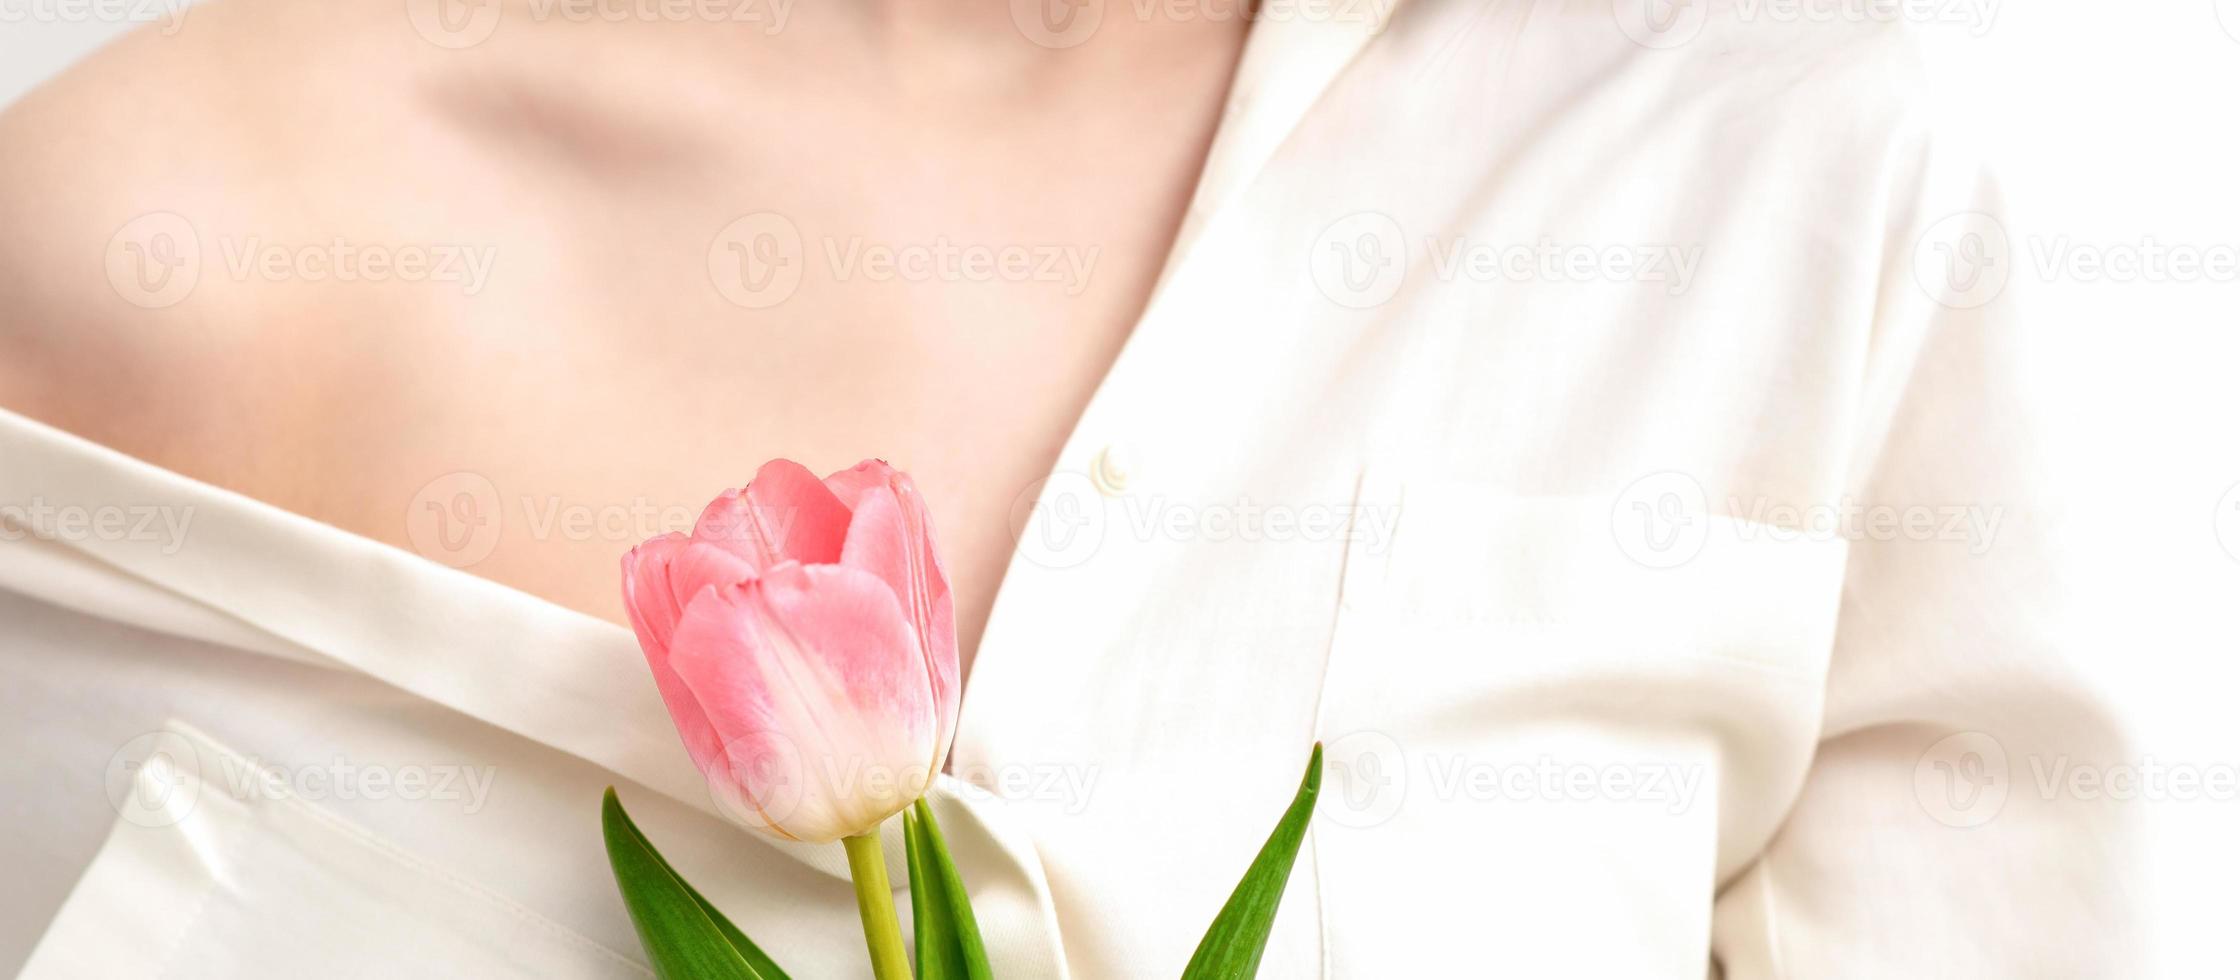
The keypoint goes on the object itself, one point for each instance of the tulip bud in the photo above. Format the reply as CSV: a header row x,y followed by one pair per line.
x,y
803,639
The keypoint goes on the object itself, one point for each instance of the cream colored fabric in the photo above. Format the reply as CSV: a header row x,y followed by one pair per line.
x,y
1552,556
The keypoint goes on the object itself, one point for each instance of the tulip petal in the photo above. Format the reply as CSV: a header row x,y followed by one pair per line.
x,y
701,566
653,605
892,538
849,484
812,679
785,513
660,578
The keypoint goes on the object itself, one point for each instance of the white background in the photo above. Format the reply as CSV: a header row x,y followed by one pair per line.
x,y
2115,125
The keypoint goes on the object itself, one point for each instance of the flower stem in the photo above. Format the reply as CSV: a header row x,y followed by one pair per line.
x,y
867,864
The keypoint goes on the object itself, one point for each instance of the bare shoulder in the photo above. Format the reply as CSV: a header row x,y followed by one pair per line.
x,y
123,180
212,232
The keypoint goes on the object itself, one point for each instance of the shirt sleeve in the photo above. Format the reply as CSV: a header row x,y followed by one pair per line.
x,y
1941,831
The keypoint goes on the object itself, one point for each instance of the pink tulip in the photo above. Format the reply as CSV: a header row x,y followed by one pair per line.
x,y
803,640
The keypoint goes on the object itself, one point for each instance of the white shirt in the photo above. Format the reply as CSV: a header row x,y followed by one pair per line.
x,y
1603,433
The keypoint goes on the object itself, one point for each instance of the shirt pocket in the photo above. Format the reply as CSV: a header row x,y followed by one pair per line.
x,y
195,880
1558,725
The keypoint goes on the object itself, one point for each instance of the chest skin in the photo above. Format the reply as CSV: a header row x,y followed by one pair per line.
x,y
649,257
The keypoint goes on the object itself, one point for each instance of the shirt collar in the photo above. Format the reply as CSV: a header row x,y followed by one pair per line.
x,y
1297,48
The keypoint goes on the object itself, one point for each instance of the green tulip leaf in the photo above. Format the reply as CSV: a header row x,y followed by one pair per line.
x,y
949,946
938,955
684,936
1232,945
